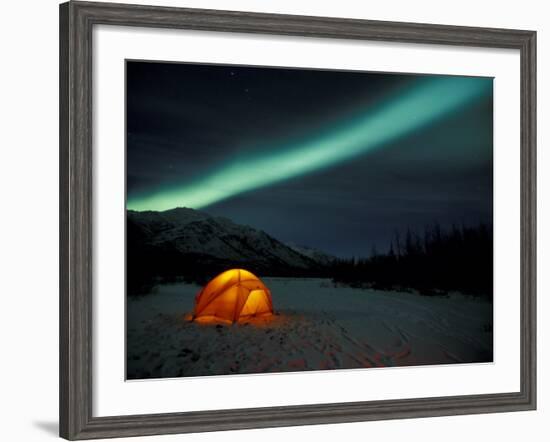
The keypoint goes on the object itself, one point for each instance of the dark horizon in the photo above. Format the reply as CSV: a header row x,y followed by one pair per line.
x,y
184,121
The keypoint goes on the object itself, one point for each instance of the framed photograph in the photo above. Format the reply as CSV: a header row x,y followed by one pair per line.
x,y
272,220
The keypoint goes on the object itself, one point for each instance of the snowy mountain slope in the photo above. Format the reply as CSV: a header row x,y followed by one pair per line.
x,y
315,254
208,239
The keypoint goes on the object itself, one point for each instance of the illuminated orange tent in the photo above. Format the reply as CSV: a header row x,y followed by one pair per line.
x,y
233,296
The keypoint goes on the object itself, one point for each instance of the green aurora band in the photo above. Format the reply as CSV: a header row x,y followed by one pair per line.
x,y
421,104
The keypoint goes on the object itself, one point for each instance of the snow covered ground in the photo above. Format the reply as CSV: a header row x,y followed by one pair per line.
x,y
317,326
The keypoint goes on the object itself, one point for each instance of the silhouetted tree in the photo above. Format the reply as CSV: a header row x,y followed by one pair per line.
x,y
459,259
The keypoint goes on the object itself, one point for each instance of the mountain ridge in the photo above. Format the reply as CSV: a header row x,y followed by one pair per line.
x,y
193,244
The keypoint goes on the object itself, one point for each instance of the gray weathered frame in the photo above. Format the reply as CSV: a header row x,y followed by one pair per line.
x,y
76,22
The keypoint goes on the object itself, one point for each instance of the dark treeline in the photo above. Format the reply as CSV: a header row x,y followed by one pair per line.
x,y
437,261
433,262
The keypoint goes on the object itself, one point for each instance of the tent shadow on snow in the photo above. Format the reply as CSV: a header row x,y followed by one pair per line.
x,y
234,296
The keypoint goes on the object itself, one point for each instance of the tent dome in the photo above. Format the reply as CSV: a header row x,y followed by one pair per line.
x,y
232,296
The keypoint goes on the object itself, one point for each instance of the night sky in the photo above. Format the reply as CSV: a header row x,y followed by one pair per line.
x,y
333,160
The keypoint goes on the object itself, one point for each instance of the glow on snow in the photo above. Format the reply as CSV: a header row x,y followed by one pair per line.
x,y
422,104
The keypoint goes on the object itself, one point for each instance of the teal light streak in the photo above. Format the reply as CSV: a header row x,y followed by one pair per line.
x,y
429,99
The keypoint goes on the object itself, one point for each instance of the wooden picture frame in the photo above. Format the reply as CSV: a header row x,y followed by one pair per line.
x,y
76,243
